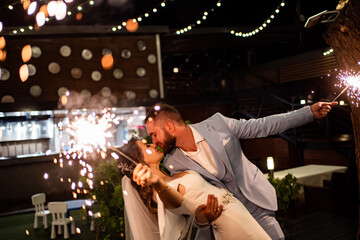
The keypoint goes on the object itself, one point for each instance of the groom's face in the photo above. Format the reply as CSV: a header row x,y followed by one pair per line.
x,y
160,136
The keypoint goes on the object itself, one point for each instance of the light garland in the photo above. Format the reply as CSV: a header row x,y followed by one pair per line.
x,y
142,16
328,52
147,14
198,22
44,19
262,26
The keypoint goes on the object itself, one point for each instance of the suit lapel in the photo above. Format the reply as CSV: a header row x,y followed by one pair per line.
x,y
216,146
179,161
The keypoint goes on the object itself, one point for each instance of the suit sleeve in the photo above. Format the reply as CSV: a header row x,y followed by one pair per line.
x,y
271,125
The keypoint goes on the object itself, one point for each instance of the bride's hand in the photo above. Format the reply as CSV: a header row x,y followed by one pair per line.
x,y
143,176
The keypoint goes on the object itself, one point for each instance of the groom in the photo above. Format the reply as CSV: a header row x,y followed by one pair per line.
x,y
212,148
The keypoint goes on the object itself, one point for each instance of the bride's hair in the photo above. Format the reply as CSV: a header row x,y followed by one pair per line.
x,y
126,167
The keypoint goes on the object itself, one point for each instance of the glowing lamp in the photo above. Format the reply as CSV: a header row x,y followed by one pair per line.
x,y
270,163
270,166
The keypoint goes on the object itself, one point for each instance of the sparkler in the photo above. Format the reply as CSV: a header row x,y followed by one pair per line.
x,y
340,93
91,133
351,82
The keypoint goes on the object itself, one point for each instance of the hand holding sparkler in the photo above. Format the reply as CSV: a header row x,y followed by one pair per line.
x,y
321,109
143,176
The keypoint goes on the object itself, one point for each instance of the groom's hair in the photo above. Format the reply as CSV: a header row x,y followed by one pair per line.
x,y
163,111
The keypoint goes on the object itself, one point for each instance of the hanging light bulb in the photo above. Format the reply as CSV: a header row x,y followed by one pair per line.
x,y
40,19
61,10
32,8
51,8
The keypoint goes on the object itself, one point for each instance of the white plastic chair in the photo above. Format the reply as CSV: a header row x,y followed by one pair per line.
x,y
38,200
58,211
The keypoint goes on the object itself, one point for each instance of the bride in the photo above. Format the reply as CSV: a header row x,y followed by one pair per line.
x,y
177,199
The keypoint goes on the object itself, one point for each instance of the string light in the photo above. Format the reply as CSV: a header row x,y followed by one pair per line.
x,y
262,26
58,17
154,10
328,52
142,16
198,22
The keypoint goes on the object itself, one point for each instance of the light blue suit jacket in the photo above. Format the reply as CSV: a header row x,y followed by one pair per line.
x,y
223,134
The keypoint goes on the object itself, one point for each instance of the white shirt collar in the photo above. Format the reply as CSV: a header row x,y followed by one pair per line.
x,y
197,137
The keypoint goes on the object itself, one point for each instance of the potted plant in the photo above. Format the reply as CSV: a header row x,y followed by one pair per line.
x,y
287,190
109,201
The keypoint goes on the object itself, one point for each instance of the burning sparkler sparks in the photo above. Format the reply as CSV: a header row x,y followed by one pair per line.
x,y
91,133
350,81
87,142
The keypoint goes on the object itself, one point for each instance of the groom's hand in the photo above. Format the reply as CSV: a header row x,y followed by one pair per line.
x,y
321,109
209,212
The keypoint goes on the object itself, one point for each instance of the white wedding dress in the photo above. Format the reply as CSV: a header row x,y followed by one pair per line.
x,y
235,222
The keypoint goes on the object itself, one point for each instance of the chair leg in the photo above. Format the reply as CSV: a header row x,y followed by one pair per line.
x,y
73,227
60,229
92,225
36,224
66,231
53,232
45,222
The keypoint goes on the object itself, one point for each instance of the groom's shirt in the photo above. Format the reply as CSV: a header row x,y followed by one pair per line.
x,y
202,155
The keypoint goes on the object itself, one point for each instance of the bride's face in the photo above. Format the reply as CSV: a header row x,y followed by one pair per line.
x,y
150,152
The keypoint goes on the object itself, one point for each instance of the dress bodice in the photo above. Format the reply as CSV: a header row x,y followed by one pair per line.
x,y
198,189
234,223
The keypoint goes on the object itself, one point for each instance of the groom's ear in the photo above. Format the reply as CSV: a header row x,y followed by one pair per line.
x,y
170,127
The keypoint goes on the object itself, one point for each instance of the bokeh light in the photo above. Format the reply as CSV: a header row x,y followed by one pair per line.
x,y
32,8
2,55
2,42
26,4
79,16
43,9
24,72
64,100
132,25
51,8
26,53
107,61
40,19
61,10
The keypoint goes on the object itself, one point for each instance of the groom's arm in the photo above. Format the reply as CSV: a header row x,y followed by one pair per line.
x,y
277,123
206,213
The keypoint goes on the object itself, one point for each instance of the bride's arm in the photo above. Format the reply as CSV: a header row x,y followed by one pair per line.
x,y
173,199
143,176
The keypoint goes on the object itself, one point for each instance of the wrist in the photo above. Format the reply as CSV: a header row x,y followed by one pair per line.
x,y
159,186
